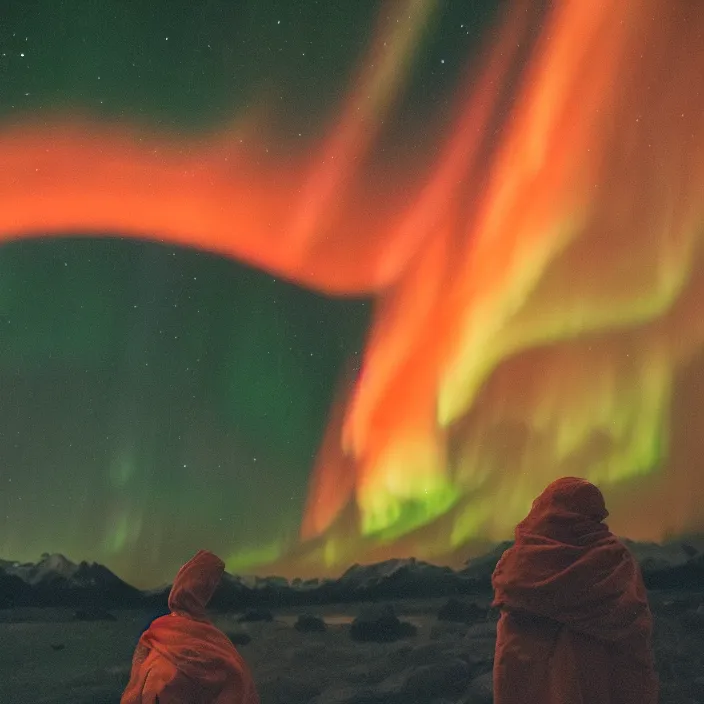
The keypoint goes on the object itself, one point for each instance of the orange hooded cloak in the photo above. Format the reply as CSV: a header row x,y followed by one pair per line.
x,y
575,626
182,658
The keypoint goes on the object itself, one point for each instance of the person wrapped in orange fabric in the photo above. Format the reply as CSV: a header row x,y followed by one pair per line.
x,y
575,626
182,658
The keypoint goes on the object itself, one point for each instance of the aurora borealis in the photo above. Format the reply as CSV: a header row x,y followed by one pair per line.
x,y
309,283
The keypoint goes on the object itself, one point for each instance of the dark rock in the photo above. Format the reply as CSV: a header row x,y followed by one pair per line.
x,y
253,615
307,623
380,624
239,638
460,611
57,646
93,614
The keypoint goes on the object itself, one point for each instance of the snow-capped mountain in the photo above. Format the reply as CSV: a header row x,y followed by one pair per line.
x,y
56,580
400,574
49,569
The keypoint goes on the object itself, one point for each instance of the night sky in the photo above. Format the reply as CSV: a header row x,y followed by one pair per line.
x,y
157,400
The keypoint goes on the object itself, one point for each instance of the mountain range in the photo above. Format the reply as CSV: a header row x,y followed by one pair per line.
x,y
55,580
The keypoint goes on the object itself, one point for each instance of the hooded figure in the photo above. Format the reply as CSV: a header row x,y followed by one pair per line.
x,y
575,626
182,658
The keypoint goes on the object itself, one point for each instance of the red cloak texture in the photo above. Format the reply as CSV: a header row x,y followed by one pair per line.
x,y
575,626
182,657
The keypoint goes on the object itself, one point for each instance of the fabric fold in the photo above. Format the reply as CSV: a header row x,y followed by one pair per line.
x,y
575,622
182,657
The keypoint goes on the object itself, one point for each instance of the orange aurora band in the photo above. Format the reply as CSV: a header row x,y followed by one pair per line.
x,y
539,289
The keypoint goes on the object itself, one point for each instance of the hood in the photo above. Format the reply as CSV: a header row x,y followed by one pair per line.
x,y
195,585
570,509
567,566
